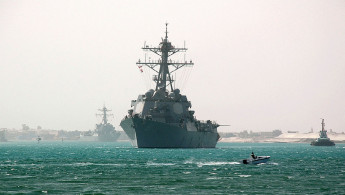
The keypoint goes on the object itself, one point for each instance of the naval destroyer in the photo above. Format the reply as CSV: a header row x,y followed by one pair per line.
x,y
106,131
161,118
323,140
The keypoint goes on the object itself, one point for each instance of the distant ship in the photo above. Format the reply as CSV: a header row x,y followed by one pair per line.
x,y
89,136
106,131
161,118
323,140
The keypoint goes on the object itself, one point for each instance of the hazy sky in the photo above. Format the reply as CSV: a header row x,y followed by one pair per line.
x,y
259,65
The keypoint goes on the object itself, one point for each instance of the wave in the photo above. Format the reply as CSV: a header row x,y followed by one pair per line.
x,y
82,164
95,164
159,164
244,175
210,163
214,178
272,163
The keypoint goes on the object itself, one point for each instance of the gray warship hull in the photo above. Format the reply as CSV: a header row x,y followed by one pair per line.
x,y
145,133
109,138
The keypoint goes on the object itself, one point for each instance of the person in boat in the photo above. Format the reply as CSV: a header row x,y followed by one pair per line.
x,y
253,155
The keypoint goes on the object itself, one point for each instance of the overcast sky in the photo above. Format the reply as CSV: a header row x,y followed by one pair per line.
x,y
259,65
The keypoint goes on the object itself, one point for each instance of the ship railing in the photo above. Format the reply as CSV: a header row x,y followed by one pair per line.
x,y
208,122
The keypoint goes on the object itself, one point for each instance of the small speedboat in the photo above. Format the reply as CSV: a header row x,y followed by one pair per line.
x,y
256,160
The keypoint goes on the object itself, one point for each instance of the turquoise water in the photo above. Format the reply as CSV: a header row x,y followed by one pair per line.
x,y
117,168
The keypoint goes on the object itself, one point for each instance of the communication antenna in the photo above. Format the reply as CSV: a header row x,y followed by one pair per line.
x,y
165,50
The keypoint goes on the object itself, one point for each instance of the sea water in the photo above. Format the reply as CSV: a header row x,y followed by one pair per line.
x,y
118,168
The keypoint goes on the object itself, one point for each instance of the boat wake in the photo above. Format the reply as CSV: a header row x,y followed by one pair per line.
x,y
210,163
201,164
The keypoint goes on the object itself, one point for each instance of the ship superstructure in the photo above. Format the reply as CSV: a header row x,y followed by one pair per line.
x,y
161,118
323,140
106,131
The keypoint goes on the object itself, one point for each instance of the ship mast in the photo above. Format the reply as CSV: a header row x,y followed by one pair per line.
x,y
104,114
323,132
164,50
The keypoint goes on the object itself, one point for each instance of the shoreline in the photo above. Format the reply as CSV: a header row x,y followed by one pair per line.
x,y
285,138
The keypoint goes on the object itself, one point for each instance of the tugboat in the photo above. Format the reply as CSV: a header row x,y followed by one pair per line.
x,y
106,131
323,140
256,159
161,118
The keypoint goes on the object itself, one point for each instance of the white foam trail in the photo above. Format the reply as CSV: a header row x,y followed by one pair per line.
x,y
159,164
200,164
110,164
245,175
82,164
234,163
190,161
212,178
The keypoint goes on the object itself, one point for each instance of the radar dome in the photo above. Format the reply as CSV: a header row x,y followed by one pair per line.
x,y
149,94
177,91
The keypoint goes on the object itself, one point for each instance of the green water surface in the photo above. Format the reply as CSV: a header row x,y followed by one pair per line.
x,y
118,168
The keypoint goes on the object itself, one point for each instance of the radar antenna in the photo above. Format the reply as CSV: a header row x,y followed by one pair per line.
x,y
104,114
164,50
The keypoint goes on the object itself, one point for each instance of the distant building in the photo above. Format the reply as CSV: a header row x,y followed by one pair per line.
x,y
3,136
25,127
251,134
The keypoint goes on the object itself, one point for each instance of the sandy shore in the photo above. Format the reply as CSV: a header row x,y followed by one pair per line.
x,y
288,138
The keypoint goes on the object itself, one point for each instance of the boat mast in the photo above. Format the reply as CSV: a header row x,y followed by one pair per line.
x,y
104,114
323,132
164,50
